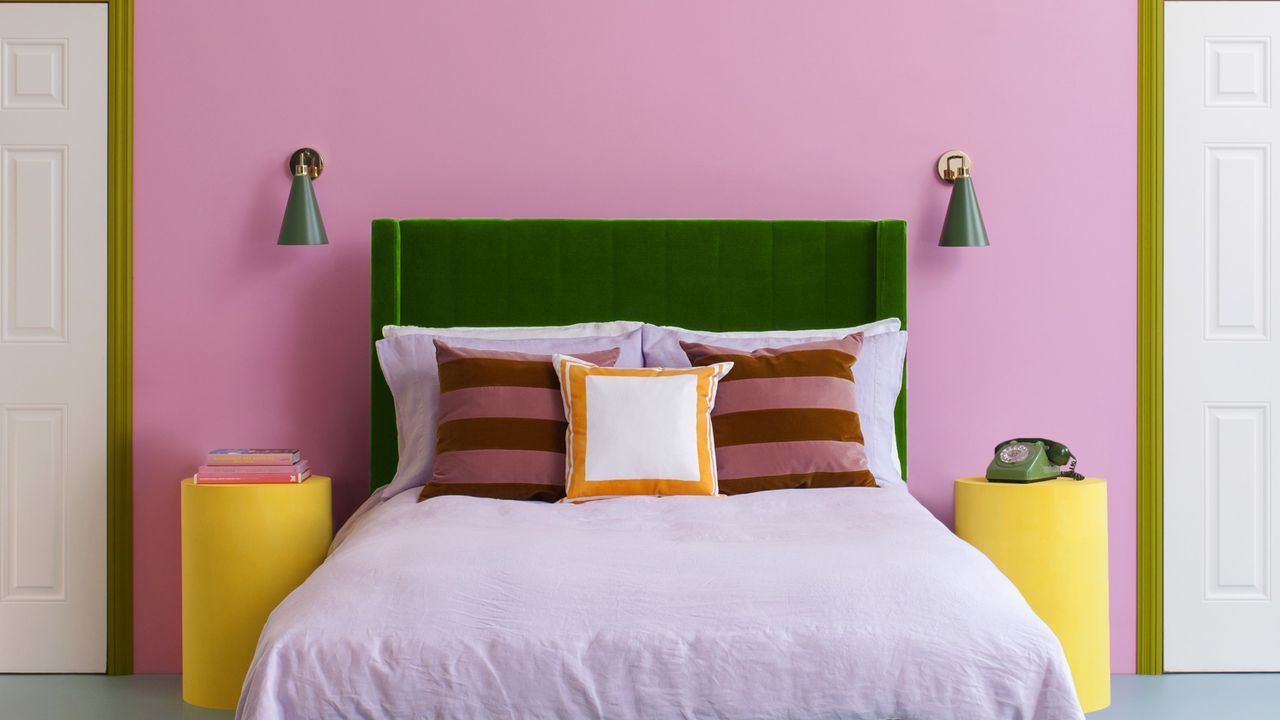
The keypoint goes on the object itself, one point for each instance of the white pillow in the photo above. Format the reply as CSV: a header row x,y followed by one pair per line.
x,y
877,374
592,329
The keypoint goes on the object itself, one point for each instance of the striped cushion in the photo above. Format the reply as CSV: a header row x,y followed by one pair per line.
x,y
787,417
501,425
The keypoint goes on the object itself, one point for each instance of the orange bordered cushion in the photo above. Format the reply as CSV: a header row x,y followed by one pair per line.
x,y
643,431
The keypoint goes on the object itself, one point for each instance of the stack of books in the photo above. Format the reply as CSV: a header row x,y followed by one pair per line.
x,y
253,465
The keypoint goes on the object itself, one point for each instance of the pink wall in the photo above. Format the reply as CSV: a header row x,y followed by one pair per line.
x,y
725,108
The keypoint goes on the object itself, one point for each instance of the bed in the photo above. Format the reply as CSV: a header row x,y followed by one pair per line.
x,y
813,603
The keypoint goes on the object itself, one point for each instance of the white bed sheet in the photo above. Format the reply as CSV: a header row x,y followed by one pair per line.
x,y
835,603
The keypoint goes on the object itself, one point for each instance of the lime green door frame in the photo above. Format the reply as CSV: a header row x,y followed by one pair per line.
x,y
1150,658
120,339
119,428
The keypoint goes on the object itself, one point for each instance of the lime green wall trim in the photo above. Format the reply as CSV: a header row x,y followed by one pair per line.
x,y
120,342
1150,659
119,333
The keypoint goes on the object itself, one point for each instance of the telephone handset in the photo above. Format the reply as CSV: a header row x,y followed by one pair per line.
x,y
1028,460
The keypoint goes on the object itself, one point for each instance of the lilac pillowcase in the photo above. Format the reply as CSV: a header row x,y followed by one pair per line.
x,y
409,366
877,374
661,344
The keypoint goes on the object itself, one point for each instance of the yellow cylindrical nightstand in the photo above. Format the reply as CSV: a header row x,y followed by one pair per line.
x,y
1050,539
244,548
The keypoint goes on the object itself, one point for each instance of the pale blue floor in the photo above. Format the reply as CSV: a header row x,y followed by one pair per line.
x,y
98,697
142,697
1234,696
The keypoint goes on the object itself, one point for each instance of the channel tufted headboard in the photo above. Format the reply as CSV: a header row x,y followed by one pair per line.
x,y
698,274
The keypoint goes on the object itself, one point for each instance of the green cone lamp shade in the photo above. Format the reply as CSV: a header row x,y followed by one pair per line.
x,y
302,223
963,226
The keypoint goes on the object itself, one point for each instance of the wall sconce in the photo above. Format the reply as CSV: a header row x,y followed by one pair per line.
x,y
302,223
963,226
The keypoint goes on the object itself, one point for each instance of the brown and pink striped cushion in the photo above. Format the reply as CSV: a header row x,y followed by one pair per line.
x,y
501,425
787,417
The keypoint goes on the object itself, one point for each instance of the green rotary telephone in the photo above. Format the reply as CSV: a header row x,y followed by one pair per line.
x,y
1028,460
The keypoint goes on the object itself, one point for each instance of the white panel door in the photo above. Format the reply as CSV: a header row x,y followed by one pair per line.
x,y
53,338
1221,353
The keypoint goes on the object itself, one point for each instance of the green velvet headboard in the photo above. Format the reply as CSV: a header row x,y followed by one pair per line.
x,y
698,274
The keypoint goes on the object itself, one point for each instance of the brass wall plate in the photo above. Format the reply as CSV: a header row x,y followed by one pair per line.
x,y
309,157
950,162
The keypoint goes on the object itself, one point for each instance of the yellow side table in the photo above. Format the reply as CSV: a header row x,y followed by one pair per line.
x,y
1050,539
244,548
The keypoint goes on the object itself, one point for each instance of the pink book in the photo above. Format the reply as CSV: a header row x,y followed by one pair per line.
x,y
255,469
204,479
253,456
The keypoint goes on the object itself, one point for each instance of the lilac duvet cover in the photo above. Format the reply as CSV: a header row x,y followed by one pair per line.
x,y
834,603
